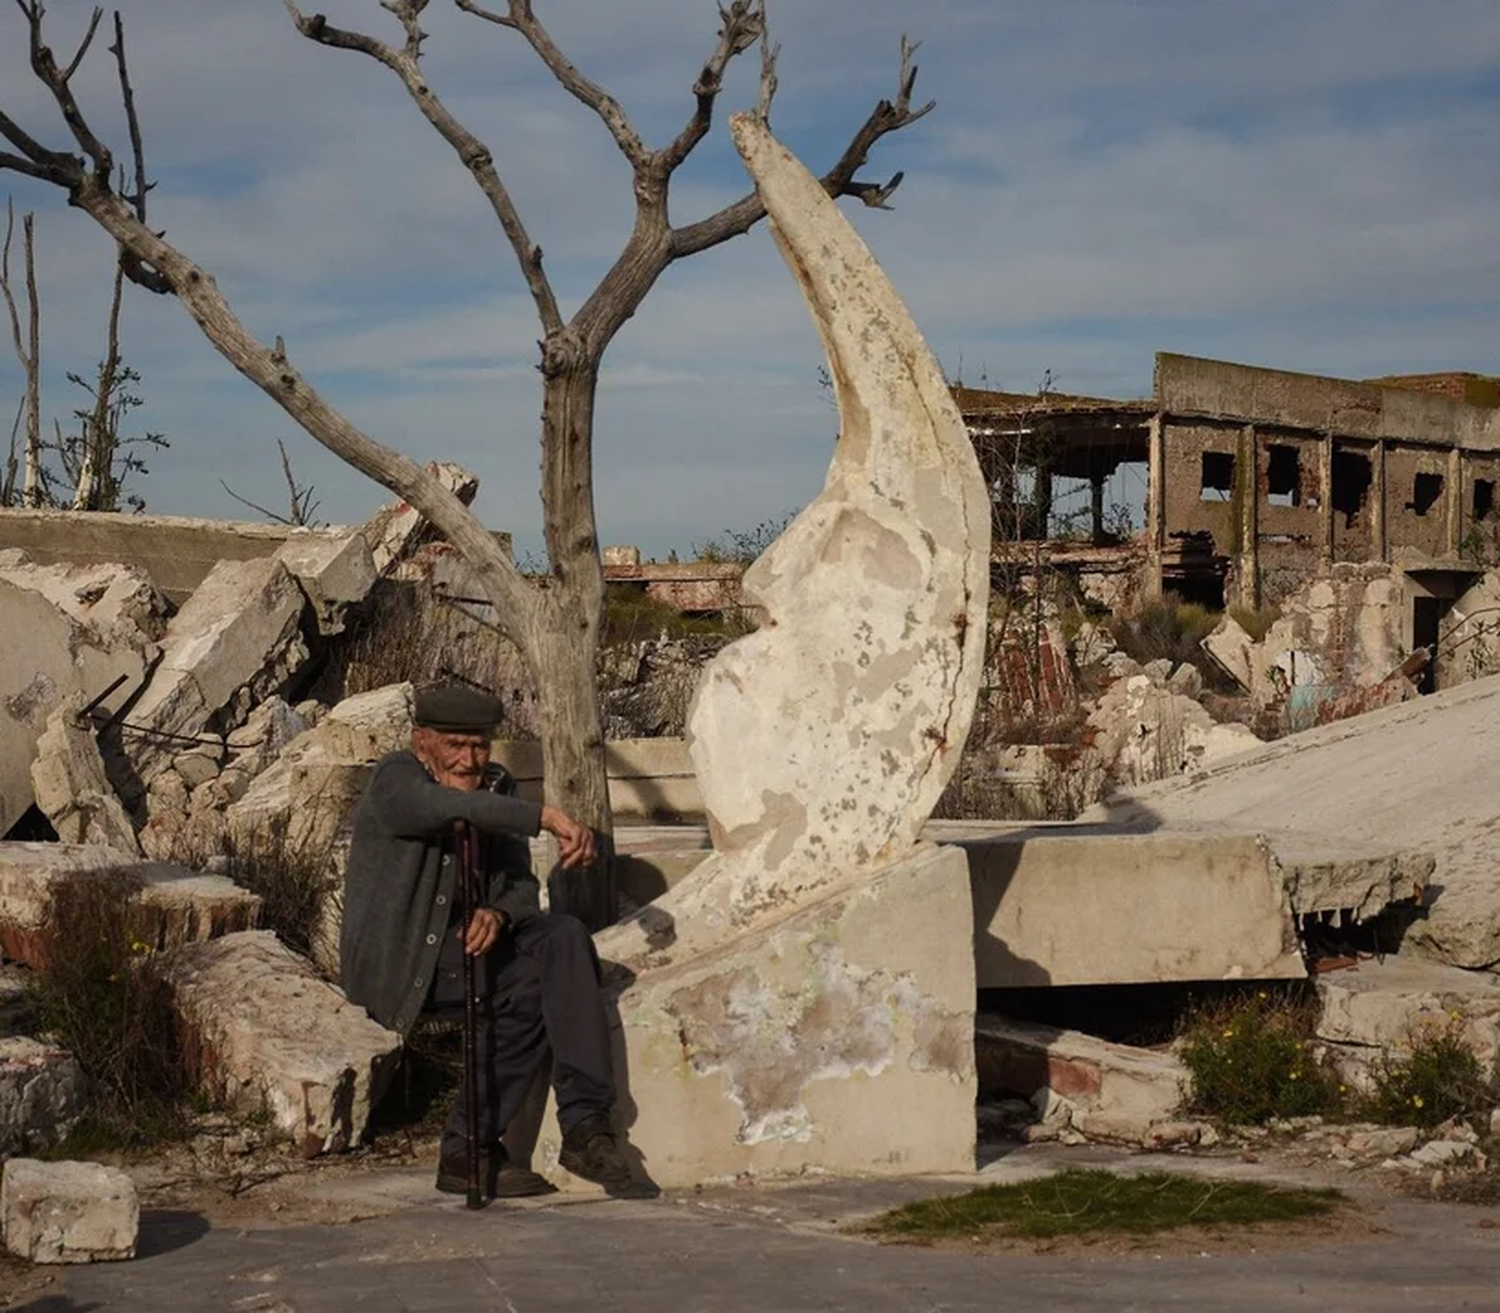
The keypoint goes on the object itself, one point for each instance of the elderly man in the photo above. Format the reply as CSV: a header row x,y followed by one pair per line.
x,y
536,976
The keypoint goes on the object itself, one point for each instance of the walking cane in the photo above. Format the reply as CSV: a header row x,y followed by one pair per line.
x,y
468,864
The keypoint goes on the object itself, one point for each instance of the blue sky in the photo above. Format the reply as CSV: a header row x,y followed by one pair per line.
x,y
1302,185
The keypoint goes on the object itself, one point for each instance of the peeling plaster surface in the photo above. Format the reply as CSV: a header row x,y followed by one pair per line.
x,y
771,1045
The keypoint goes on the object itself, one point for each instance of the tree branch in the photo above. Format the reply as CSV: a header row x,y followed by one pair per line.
x,y
56,81
741,25
132,119
474,154
887,117
521,19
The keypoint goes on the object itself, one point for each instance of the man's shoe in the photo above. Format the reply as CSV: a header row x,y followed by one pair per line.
x,y
499,1178
590,1150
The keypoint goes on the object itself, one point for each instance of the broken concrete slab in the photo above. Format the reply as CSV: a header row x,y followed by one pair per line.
x,y
42,1093
71,787
1230,648
1059,908
838,1039
1416,777
1143,731
173,906
1382,1006
62,1212
336,573
262,1031
303,798
65,631
1113,1091
235,640
395,530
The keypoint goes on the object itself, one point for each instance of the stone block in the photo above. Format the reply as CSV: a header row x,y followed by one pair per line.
x,y
305,796
394,530
173,906
68,1212
54,643
236,637
838,1039
335,574
1229,646
1117,1092
70,785
262,1031
1383,1006
1089,909
41,1093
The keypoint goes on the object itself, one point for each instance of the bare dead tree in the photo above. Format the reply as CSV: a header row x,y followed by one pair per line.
x,y
301,507
555,620
29,353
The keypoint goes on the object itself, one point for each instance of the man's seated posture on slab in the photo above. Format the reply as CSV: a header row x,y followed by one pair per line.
x,y
536,976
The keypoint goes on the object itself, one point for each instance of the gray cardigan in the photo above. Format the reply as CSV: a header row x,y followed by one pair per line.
x,y
400,882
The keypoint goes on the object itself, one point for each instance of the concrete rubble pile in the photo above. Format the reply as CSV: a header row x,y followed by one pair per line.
x,y
199,748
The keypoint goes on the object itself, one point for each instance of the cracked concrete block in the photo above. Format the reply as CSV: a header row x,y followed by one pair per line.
x,y
64,631
1412,778
262,1031
68,1212
1089,909
1381,1006
71,787
1230,647
234,640
1117,1092
174,905
305,796
42,1093
335,574
395,530
838,1039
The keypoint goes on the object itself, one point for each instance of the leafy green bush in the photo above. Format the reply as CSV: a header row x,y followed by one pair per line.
x,y
96,996
1251,1059
1437,1077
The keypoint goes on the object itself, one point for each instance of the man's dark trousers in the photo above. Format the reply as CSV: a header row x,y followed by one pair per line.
x,y
538,984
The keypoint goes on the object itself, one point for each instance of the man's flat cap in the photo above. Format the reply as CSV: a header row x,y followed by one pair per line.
x,y
456,709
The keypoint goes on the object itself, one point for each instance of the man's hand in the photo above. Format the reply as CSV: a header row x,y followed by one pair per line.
x,y
575,842
483,930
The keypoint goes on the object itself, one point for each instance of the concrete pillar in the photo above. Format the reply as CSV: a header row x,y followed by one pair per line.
x,y
1377,509
1325,501
1247,494
1096,506
1455,501
1156,506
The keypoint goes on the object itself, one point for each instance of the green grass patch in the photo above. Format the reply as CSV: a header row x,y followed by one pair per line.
x,y
1093,1202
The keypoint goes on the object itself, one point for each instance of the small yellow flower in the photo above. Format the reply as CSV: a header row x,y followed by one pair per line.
x,y
1262,994
1229,1034
1417,1100
1294,1075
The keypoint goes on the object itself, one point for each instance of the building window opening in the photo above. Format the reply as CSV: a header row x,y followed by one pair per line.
x,y
1484,498
1425,491
1283,475
1218,476
1352,476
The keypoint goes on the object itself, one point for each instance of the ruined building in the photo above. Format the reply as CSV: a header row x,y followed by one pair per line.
x,y
1257,480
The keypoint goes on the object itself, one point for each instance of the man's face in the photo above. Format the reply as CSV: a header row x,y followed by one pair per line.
x,y
456,760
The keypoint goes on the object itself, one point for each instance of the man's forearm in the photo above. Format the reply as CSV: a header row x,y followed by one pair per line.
x,y
413,805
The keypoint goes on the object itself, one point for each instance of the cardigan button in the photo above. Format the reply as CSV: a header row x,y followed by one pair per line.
x,y
432,939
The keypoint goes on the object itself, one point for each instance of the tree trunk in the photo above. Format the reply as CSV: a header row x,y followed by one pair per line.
x,y
564,639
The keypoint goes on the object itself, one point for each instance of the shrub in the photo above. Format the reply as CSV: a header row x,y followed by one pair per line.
x,y
292,879
1165,628
1252,1059
1255,623
1437,1077
97,997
